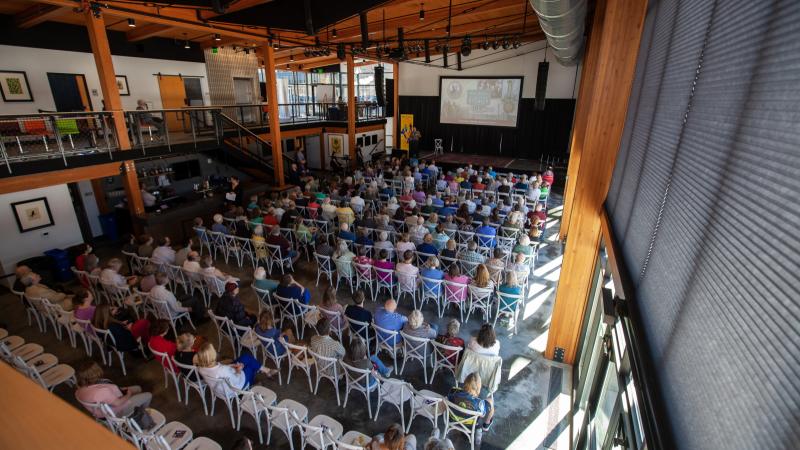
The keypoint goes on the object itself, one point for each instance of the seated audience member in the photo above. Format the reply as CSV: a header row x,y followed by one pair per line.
x,y
231,306
393,439
145,249
159,342
127,334
383,263
323,344
468,397
266,328
471,254
450,337
111,276
417,327
450,250
80,260
192,263
345,233
389,319
83,305
161,292
261,281
275,238
333,311
93,388
35,289
427,246
183,252
163,254
456,292
343,258
356,356
356,311
524,245
148,279
289,288
485,343
407,272
241,374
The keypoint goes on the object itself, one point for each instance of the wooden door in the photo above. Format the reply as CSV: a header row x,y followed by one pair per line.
x,y
173,96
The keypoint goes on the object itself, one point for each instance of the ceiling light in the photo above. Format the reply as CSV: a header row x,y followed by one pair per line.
x,y
421,12
217,37
131,23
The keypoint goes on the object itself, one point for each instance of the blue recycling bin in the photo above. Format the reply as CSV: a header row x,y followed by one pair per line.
x,y
61,264
108,222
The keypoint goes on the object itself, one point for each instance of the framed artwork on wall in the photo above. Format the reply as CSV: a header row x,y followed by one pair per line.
x,y
14,86
122,85
32,214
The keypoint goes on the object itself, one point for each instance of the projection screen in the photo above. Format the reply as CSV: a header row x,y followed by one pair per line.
x,y
488,101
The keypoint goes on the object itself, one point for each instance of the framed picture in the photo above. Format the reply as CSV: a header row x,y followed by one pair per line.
x,y
122,85
32,214
14,86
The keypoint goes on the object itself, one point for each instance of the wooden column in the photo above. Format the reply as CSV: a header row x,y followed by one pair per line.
x,y
396,112
621,24
585,93
268,54
351,108
108,84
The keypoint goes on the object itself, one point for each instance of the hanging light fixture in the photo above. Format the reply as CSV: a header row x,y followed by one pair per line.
x,y
421,12
132,23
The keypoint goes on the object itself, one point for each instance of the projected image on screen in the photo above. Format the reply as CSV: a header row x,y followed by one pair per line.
x,y
479,101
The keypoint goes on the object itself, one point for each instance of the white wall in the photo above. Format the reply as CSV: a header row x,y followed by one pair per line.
x,y
64,233
37,62
419,80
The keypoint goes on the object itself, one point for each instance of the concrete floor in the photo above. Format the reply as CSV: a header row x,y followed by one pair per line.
x,y
532,402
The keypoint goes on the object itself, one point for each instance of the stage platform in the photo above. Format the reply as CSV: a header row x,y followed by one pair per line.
x,y
497,162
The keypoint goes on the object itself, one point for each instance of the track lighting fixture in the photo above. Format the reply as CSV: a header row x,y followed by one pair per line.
x,y
421,12
132,23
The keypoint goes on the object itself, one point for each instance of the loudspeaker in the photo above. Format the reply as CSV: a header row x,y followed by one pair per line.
x,y
340,52
541,85
379,85
364,29
389,97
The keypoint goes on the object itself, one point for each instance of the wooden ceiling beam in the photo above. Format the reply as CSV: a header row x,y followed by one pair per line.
x,y
37,14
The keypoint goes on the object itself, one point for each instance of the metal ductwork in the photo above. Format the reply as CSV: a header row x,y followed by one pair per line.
x,y
563,23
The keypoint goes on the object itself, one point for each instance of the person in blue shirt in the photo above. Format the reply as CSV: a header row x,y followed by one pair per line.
x,y
427,246
345,233
388,319
486,234
432,271
468,397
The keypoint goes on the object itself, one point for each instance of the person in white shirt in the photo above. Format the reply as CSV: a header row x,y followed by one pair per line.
x,y
163,254
192,263
485,343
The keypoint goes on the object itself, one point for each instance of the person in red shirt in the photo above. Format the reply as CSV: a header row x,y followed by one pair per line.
x,y
159,343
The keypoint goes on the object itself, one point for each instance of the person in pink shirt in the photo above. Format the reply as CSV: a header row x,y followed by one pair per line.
x,y
456,292
383,263
93,388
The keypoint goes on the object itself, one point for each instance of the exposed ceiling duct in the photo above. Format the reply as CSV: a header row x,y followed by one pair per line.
x,y
563,23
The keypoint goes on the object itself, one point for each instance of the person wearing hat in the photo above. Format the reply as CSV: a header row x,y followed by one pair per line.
x,y
231,306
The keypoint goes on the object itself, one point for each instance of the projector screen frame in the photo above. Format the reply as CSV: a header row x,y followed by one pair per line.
x,y
488,77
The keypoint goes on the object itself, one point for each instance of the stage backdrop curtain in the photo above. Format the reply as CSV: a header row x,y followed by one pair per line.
x,y
537,133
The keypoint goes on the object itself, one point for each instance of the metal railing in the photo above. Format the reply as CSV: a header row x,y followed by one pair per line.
x,y
33,137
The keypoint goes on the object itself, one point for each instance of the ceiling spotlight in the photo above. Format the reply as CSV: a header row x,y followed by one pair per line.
x,y
421,12
217,37
132,23
506,44
495,45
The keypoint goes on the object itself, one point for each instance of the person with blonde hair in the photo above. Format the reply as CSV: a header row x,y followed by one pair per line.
x,y
240,374
94,388
468,397
417,327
